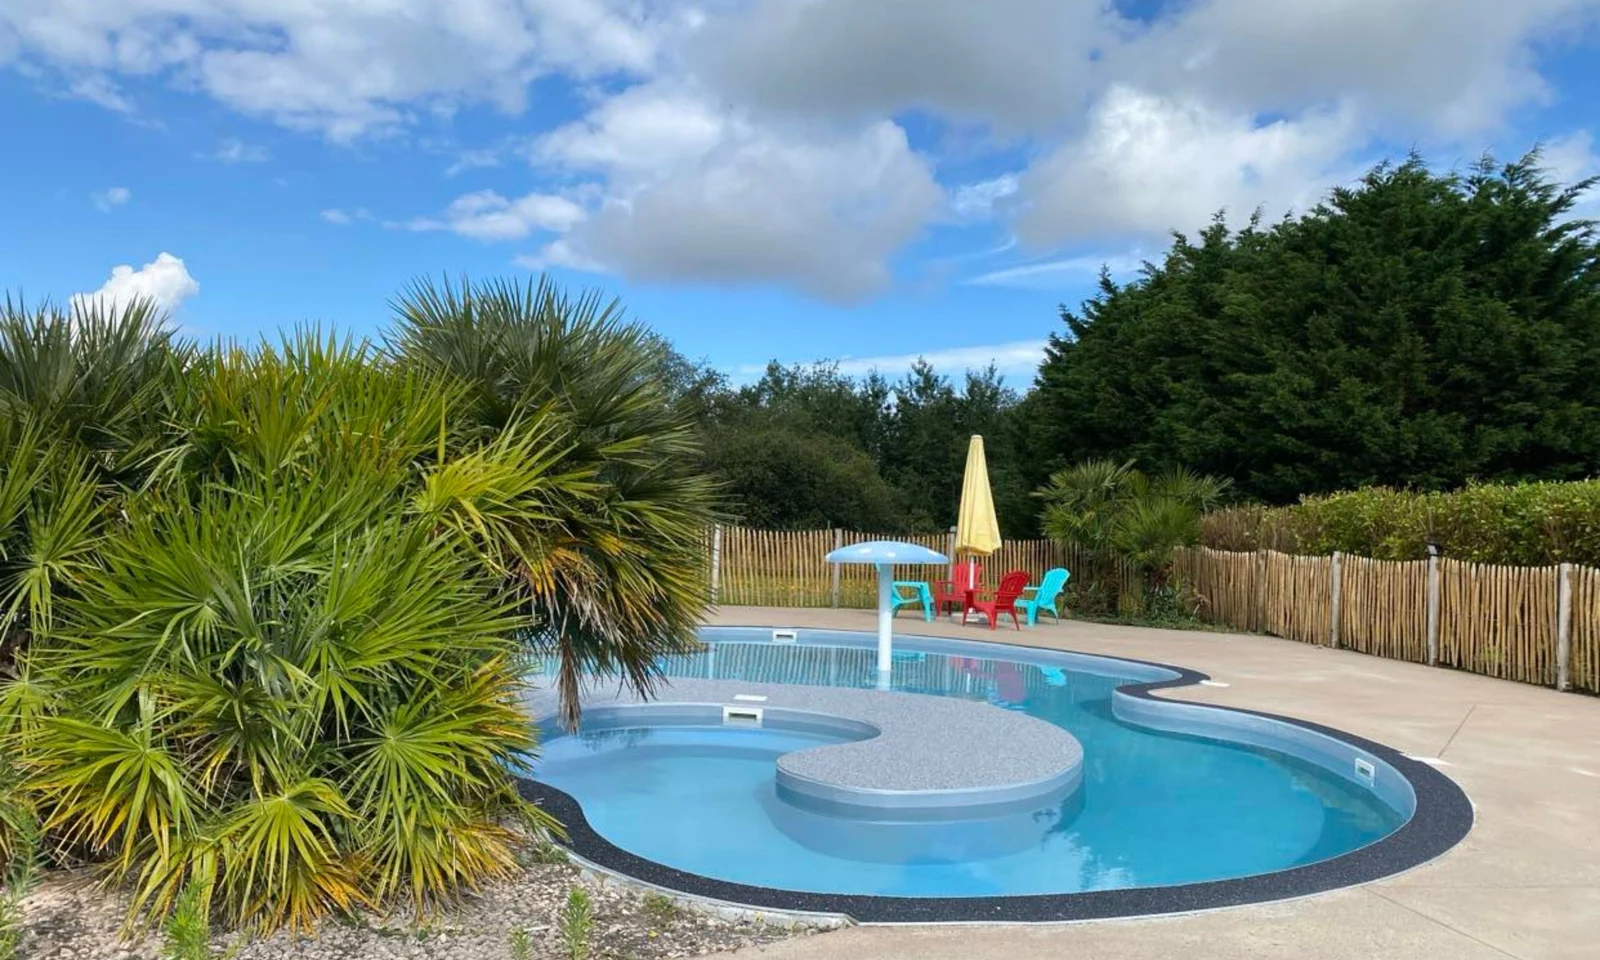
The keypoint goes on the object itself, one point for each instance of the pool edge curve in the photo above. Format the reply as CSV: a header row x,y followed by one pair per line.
x,y
1443,816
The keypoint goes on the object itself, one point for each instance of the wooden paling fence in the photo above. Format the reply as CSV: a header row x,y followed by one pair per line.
x,y
1499,621
1585,635
1229,586
1533,624
1299,596
1383,607
784,568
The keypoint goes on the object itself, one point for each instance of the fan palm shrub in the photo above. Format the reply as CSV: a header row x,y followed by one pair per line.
x,y
81,407
616,579
289,677
277,601
1128,519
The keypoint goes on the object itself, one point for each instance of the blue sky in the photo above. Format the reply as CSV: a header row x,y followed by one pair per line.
x,y
790,179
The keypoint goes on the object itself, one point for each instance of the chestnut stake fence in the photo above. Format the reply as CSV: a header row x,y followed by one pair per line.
x,y
1532,624
784,568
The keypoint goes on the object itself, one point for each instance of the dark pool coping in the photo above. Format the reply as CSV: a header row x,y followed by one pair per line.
x,y
1442,818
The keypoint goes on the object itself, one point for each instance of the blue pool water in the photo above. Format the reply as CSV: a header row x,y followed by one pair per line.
x,y
1155,809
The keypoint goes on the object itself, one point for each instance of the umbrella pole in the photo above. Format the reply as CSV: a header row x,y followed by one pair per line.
x,y
885,623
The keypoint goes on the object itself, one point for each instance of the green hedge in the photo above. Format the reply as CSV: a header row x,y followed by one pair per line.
x,y
1525,524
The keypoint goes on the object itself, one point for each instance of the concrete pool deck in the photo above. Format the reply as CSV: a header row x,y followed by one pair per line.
x,y
1524,884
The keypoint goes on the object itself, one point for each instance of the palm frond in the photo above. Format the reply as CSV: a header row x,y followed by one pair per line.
x,y
614,570
98,373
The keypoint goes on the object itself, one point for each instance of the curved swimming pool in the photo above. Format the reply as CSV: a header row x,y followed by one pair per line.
x,y
1178,806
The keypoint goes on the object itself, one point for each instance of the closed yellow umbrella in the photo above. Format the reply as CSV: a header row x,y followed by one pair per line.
x,y
977,528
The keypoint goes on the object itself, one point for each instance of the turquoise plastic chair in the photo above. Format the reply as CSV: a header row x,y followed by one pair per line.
x,y
920,596
1045,595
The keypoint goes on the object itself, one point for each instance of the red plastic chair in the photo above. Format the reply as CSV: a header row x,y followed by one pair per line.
x,y
1001,601
959,590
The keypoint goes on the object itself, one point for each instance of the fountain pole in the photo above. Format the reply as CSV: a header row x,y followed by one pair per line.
x,y
885,623
884,554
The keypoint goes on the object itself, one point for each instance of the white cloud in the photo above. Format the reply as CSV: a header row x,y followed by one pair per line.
x,y
822,213
164,280
100,90
1139,127
348,67
1017,63
982,253
1452,66
978,200
1051,274
1147,165
343,218
1016,358
695,191
486,215
558,253
765,142
341,67
108,200
234,150
1571,159
639,132
1135,128
473,160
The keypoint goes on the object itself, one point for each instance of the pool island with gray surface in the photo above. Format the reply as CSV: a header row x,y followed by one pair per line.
x,y
891,755
992,783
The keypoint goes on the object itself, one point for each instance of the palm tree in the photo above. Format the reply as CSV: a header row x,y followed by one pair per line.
x,y
1125,517
616,580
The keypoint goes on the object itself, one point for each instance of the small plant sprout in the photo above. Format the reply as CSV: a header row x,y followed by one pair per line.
x,y
188,927
661,909
577,923
544,853
22,872
521,944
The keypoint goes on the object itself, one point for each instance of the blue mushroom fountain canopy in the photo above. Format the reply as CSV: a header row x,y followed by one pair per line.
x,y
885,551
884,554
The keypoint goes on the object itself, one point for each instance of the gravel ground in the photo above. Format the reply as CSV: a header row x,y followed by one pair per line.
x,y
69,918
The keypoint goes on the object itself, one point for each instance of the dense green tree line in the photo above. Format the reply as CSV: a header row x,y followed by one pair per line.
x,y
1417,330
807,447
